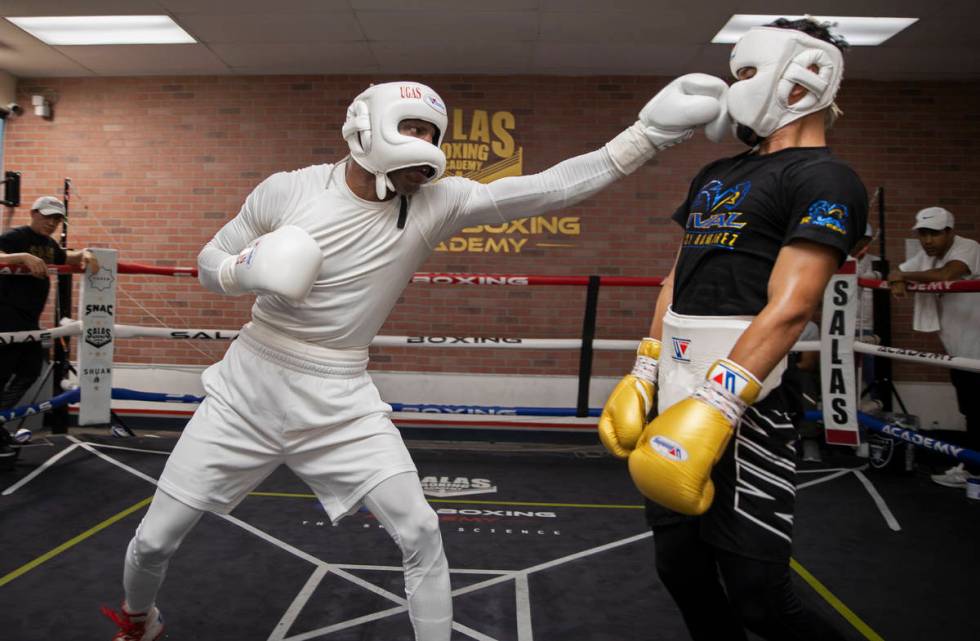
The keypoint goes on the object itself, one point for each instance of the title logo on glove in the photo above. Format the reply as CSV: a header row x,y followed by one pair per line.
x,y
668,448
728,378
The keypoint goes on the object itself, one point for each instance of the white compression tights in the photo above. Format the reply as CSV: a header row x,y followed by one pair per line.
x,y
398,503
157,538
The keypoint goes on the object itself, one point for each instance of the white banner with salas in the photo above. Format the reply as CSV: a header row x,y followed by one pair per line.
x,y
837,380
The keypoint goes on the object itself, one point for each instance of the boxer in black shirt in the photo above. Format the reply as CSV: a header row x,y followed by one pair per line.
x,y
763,233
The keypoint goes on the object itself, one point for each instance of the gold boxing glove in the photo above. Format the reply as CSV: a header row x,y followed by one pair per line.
x,y
672,462
626,410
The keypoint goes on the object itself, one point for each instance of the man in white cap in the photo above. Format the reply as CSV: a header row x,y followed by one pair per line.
x,y
328,250
22,298
945,256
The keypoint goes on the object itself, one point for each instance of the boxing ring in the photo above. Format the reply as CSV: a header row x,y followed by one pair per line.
x,y
546,540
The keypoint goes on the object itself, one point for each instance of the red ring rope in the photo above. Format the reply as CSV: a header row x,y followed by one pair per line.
x,y
506,279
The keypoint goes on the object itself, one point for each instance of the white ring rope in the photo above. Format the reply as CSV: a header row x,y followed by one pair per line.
x,y
74,328
70,328
913,356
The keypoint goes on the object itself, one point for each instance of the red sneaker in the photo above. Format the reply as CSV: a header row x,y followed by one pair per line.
x,y
136,626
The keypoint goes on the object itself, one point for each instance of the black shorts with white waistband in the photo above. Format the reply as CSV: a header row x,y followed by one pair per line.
x,y
755,481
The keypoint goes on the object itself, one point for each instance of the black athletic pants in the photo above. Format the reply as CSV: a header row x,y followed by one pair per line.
x,y
721,594
967,386
20,365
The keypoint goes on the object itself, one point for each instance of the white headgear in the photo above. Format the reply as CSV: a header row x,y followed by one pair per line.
x,y
371,130
781,58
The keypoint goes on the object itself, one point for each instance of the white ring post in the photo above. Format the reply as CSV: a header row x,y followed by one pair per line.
x,y
837,380
96,310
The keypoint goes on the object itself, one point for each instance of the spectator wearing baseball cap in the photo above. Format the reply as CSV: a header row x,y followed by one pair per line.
x,y
934,218
947,256
22,299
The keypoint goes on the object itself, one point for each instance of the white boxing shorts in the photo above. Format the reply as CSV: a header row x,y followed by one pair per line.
x,y
274,400
690,345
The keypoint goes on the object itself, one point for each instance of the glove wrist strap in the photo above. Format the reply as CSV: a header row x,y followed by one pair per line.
x,y
727,403
735,379
226,276
729,387
664,138
645,368
647,359
631,148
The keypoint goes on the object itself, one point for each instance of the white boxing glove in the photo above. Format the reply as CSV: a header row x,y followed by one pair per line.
x,y
690,101
284,263
721,128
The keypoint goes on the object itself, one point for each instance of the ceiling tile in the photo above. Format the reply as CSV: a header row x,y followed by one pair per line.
x,y
79,8
23,55
877,63
935,32
710,58
277,27
427,57
607,27
458,26
453,36
41,64
442,5
588,58
893,8
151,60
610,5
234,7
350,57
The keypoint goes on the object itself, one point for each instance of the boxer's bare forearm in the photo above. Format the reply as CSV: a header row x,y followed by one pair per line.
x,y
796,288
663,303
953,270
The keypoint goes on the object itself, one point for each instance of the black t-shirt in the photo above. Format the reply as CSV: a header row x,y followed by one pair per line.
x,y
22,298
741,211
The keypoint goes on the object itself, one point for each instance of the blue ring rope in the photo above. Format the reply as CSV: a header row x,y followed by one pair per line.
x,y
909,436
872,423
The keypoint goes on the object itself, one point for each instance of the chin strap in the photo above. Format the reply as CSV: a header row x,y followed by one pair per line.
x,y
402,212
746,135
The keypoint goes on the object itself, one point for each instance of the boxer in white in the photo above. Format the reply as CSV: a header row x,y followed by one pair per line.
x,y
327,250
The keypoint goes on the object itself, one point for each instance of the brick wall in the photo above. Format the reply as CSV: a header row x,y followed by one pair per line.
x,y
158,164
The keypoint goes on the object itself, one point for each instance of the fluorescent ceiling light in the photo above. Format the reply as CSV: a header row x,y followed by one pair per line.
x,y
857,31
104,30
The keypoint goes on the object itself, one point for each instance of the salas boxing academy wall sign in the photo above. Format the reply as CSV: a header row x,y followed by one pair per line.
x,y
480,145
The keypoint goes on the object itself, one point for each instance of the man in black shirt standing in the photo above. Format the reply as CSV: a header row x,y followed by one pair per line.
x,y
763,233
22,298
